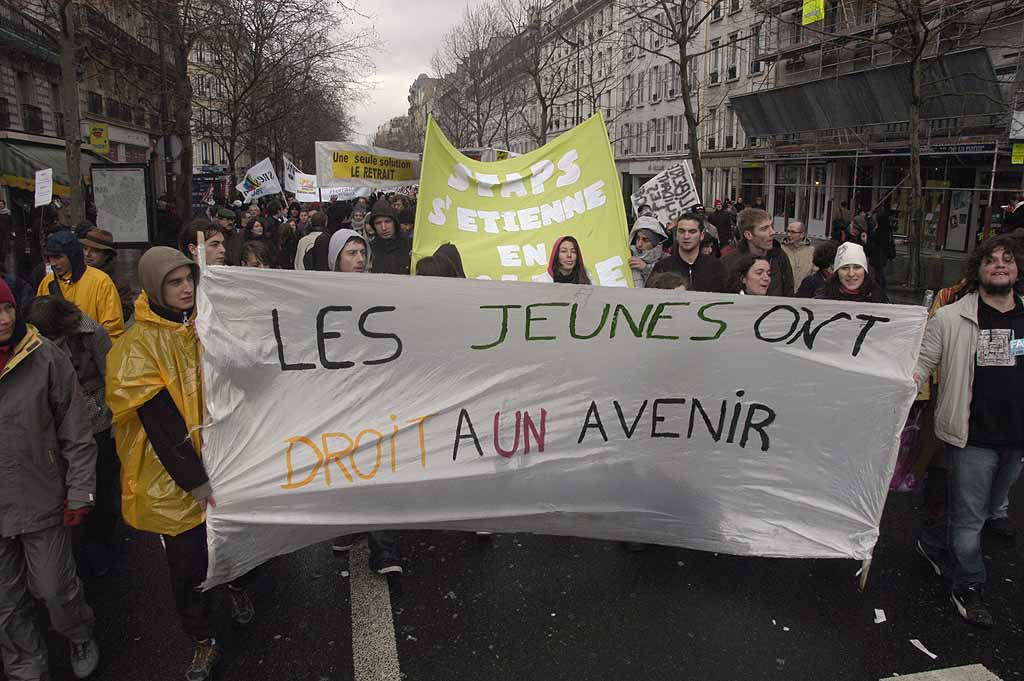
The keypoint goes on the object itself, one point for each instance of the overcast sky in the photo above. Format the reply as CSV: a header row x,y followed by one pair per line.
x,y
408,33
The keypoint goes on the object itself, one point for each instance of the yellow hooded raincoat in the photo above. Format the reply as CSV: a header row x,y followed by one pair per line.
x,y
154,354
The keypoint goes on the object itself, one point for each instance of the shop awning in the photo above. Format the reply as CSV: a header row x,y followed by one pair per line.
x,y
20,160
957,84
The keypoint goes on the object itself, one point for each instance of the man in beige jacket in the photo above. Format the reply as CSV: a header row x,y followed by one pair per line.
x,y
978,345
799,250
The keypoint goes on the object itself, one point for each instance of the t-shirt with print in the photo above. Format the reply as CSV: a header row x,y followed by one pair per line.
x,y
997,401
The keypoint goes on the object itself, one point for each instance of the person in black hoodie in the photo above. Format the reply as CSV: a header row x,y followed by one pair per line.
x,y
317,257
392,252
704,272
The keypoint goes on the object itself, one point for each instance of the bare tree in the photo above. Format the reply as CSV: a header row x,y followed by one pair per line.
x,y
912,32
269,58
179,28
672,29
59,21
540,62
466,64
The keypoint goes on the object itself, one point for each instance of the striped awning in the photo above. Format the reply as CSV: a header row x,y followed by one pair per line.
x,y
20,160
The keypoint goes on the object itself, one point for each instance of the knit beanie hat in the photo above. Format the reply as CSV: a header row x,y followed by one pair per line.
x,y
850,253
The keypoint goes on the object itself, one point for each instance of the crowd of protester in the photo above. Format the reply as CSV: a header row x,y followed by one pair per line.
x,y
101,398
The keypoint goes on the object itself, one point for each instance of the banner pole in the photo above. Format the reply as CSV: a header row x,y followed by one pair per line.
x,y
865,568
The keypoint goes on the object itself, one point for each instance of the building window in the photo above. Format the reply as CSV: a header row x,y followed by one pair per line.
x,y
755,49
729,128
627,92
716,11
712,130
640,88
659,134
713,63
733,55
734,6
652,84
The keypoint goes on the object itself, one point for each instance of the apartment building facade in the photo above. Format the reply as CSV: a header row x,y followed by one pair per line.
x,y
833,126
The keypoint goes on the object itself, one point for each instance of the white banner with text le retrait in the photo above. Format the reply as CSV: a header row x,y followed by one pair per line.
x,y
740,424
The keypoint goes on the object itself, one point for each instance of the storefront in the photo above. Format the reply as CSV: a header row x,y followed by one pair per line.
x,y
957,182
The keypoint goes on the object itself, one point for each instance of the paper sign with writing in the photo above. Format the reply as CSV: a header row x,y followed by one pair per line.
x,y
668,194
505,216
44,187
741,424
341,164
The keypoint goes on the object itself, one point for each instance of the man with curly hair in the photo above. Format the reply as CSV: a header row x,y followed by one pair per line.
x,y
978,344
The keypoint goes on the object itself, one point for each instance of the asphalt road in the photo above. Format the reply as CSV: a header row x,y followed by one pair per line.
x,y
524,607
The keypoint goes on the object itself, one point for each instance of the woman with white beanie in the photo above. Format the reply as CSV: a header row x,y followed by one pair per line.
x,y
851,280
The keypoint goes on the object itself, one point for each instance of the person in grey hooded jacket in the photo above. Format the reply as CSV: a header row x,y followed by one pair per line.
x,y
47,483
348,251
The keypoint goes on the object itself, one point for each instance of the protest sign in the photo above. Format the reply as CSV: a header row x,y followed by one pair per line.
x,y
302,185
505,216
260,180
44,187
342,193
341,164
668,194
740,424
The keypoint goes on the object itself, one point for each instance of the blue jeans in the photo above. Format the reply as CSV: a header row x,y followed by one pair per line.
x,y
979,483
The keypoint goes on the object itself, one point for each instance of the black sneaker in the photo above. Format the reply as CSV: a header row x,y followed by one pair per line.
x,y
242,610
929,555
1002,527
85,657
386,564
970,603
204,661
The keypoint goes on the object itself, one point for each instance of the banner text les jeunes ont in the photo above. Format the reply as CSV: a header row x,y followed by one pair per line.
x,y
505,216
740,424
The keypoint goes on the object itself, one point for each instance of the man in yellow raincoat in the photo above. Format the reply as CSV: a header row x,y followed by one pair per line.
x,y
87,287
154,389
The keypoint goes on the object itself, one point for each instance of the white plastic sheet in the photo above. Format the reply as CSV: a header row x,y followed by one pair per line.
x,y
739,424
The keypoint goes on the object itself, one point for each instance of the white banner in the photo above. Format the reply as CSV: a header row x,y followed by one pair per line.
x,y
290,171
328,194
739,424
342,164
44,187
668,194
260,180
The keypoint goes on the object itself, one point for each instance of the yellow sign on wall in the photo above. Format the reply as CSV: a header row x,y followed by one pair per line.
x,y
814,10
99,137
1018,154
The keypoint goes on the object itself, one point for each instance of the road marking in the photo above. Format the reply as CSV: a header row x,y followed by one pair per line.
x,y
973,672
374,650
